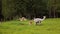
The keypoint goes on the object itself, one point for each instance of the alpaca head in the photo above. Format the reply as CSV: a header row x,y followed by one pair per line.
x,y
44,17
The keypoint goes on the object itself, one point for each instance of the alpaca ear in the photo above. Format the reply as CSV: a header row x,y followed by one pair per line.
x,y
44,16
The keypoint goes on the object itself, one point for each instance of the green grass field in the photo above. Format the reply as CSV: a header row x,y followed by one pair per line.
x,y
48,26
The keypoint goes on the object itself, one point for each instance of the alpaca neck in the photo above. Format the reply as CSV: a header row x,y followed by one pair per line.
x,y
43,18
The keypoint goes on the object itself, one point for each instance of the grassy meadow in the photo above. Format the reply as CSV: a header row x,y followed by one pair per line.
x,y
48,26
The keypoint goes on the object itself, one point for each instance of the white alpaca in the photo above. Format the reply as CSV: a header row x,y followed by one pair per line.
x,y
38,20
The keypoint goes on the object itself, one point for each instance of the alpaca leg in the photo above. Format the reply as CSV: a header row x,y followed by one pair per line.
x,y
40,22
37,22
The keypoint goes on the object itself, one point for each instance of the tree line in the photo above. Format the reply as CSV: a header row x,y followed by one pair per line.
x,y
30,8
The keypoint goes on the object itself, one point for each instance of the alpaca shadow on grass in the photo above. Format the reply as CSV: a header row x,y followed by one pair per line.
x,y
39,24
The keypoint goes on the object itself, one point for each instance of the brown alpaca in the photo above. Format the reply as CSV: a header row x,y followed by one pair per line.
x,y
30,22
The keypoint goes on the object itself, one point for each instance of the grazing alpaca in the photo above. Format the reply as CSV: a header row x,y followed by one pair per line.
x,y
38,20
22,19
